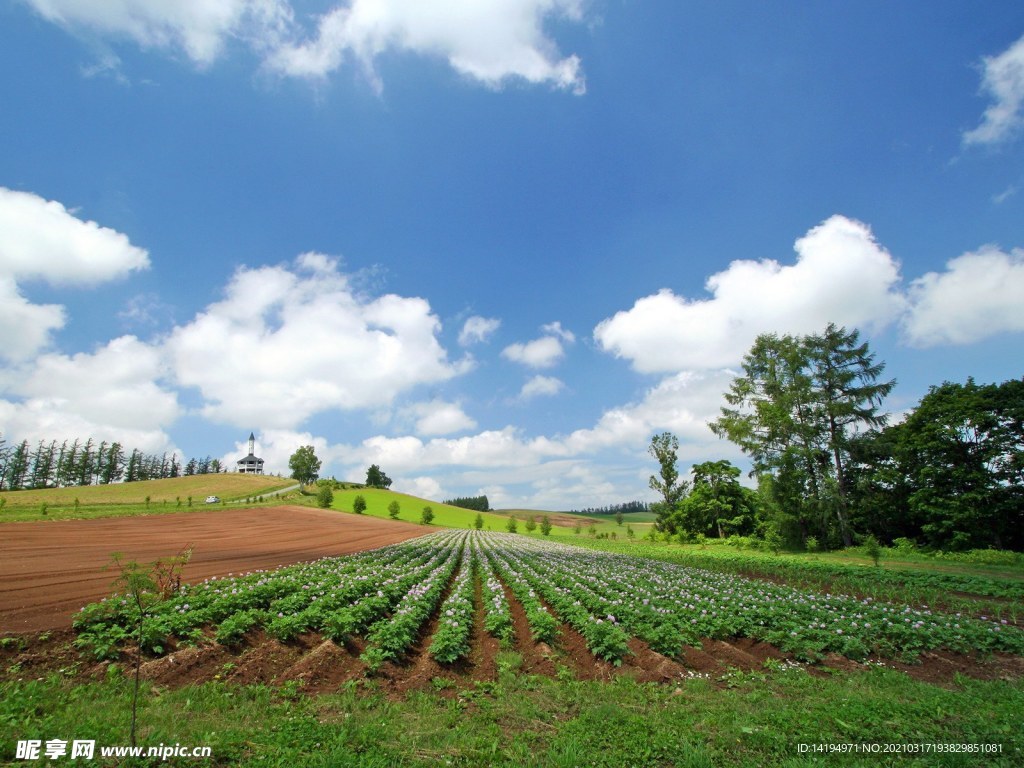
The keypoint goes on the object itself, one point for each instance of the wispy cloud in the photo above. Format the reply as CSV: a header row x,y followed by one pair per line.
x,y
1003,80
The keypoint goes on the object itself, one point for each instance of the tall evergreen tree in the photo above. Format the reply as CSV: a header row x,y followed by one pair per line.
x,y
845,379
18,469
84,468
5,457
794,410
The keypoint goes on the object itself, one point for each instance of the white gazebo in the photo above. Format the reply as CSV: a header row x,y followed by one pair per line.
x,y
251,464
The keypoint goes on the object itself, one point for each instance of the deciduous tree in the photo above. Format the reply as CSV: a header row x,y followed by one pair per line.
x,y
305,465
665,448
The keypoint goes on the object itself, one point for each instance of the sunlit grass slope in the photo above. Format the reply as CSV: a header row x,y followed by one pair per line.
x,y
445,515
131,498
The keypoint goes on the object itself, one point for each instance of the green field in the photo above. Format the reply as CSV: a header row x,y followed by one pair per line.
x,y
142,497
445,515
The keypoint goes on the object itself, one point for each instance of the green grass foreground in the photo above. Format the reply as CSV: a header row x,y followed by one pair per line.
x,y
743,719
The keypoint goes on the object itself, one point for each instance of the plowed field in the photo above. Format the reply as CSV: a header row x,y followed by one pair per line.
x,y
49,570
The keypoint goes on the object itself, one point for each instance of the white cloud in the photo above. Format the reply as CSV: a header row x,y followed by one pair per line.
x,y
440,418
488,40
111,394
477,329
1003,80
539,353
543,352
25,327
44,241
683,404
285,344
979,295
541,386
198,27
424,487
556,329
841,275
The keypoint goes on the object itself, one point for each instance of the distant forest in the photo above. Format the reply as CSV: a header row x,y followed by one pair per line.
x,y
614,509
70,463
479,503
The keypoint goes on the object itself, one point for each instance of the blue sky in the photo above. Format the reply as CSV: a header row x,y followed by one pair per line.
x,y
493,250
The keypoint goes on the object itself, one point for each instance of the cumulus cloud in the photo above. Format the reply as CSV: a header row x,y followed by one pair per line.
x,y
587,466
424,488
979,295
42,240
286,343
114,393
25,327
544,352
477,329
488,40
198,27
1003,80
682,403
541,386
841,275
438,417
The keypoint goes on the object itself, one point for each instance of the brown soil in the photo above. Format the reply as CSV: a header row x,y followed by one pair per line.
x,y
49,570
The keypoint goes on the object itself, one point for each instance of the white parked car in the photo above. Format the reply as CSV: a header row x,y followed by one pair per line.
x,y
213,499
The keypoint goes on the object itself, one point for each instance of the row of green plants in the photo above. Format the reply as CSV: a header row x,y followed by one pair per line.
x,y
669,605
605,638
452,639
388,595
497,613
339,597
978,594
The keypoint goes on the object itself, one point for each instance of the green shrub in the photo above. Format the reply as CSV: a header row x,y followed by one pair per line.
x,y
426,516
359,504
872,548
324,497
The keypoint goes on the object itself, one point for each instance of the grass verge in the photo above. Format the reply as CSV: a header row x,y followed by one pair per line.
x,y
740,719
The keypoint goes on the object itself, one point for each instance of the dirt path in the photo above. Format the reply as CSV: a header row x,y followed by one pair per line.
x,y
50,570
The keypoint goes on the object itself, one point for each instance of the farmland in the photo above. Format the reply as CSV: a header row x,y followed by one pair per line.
x,y
137,498
387,595
504,649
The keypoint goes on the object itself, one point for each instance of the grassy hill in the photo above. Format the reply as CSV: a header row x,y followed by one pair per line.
x,y
131,498
445,515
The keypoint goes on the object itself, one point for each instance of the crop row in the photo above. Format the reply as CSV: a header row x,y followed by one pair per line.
x,y
339,597
882,583
387,596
